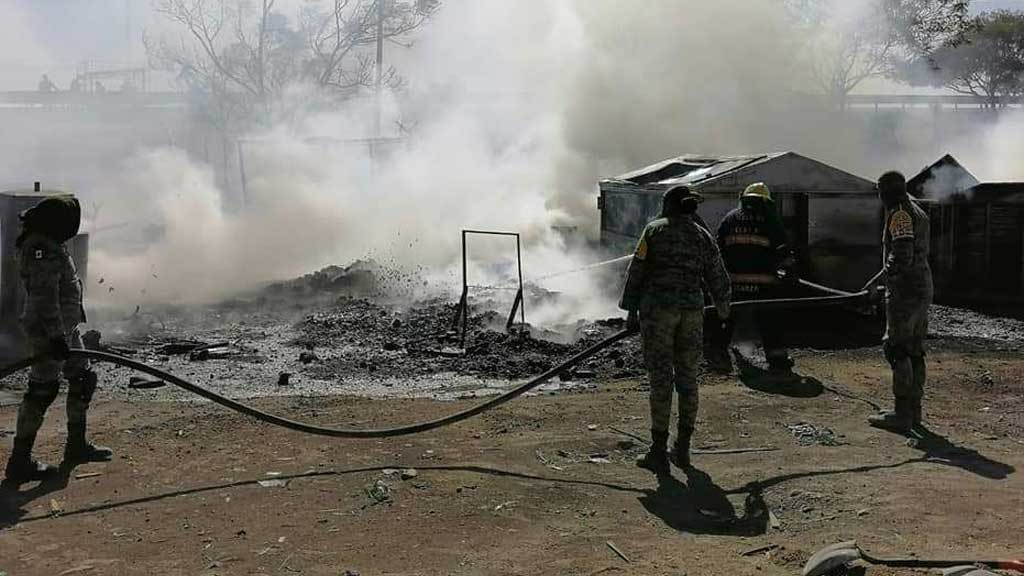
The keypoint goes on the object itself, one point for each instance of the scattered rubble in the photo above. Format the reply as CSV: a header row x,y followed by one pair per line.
x,y
380,492
808,434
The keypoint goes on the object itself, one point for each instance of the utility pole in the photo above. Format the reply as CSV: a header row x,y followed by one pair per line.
x,y
380,65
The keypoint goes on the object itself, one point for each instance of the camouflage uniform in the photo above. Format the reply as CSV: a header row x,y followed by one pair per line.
x,y
53,311
909,290
673,258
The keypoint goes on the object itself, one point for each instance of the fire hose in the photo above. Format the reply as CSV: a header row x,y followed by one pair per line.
x,y
308,428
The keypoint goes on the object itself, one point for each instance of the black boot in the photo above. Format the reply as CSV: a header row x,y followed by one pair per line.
x,y
900,420
21,468
79,451
681,450
656,459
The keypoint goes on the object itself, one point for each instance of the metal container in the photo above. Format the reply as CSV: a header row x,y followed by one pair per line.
x,y
12,293
833,218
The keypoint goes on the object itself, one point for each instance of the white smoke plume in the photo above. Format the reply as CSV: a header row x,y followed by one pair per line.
x,y
516,109
994,154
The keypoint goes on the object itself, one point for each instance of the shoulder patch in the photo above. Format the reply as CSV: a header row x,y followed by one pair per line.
x,y
641,248
901,225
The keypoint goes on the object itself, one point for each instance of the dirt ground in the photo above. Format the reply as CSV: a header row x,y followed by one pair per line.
x,y
544,485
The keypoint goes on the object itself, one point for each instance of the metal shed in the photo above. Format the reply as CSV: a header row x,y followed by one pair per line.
x,y
977,228
833,218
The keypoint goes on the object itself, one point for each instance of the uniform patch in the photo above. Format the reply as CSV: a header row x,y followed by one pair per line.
x,y
641,249
39,254
901,225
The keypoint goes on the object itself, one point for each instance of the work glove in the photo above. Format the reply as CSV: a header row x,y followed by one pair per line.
x,y
58,348
786,275
633,321
723,312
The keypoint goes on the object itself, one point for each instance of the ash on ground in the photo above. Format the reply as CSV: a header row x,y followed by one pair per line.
x,y
368,322
372,338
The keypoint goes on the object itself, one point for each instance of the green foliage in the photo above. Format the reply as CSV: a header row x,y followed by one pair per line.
x,y
988,62
850,43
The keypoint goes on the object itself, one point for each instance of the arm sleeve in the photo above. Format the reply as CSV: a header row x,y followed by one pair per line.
x,y
780,244
900,229
716,279
636,276
721,233
901,254
42,289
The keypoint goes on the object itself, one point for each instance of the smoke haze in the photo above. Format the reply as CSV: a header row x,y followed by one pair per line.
x,y
515,110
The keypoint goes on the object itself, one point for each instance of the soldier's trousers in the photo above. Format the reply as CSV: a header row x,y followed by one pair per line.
x,y
905,331
672,348
44,385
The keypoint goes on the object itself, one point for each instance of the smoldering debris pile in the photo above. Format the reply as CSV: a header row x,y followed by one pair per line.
x,y
364,278
374,320
361,337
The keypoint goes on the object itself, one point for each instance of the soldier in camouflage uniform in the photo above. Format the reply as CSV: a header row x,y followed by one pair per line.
x,y
664,296
53,311
908,284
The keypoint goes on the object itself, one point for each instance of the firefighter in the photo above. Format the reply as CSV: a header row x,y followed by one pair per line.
x,y
753,244
908,294
664,295
53,311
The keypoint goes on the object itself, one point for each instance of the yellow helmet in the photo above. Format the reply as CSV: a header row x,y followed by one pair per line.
x,y
757,190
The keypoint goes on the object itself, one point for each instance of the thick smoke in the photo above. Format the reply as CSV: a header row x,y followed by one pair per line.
x,y
994,154
514,110
21,51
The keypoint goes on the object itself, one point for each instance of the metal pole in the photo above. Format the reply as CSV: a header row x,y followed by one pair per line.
x,y
465,290
522,303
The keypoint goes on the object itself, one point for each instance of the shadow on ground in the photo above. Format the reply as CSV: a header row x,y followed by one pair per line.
x,y
940,449
787,383
700,506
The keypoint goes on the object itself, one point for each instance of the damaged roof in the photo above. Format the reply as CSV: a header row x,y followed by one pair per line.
x,y
787,172
947,180
945,177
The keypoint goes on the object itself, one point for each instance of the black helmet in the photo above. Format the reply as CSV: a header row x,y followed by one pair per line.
x,y
56,217
680,199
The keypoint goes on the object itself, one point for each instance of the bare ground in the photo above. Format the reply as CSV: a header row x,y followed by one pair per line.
x,y
540,486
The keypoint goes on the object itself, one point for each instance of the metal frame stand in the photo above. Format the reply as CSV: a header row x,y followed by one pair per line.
x,y
462,310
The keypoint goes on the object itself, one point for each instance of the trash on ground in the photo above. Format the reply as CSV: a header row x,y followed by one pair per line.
x,y
808,434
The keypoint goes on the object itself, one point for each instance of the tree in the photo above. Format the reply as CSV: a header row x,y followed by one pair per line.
x,y
238,59
852,42
990,63
338,36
